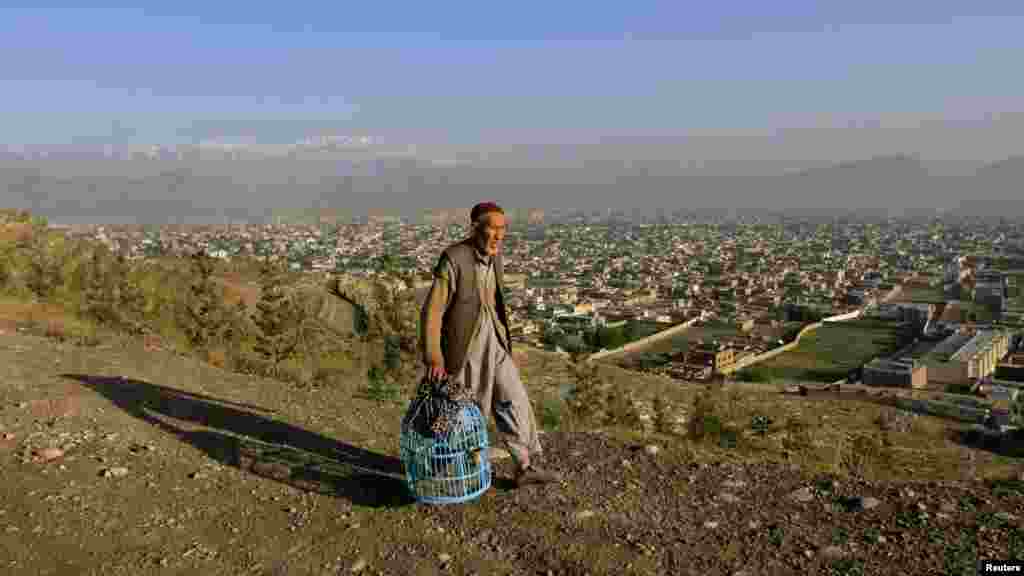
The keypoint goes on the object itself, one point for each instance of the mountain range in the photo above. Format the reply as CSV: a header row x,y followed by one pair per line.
x,y
241,184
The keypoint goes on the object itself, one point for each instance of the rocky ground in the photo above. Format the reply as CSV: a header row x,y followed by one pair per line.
x,y
120,460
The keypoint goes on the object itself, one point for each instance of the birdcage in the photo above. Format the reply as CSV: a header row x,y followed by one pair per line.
x,y
444,450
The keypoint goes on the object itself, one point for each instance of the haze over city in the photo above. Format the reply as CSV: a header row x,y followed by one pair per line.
x,y
198,112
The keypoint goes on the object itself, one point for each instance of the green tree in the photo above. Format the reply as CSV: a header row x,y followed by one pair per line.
x,y
131,300
574,344
6,267
43,269
392,354
552,336
202,306
612,337
236,330
99,300
277,318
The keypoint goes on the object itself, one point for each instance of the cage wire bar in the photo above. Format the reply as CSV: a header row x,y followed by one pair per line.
x,y
447,468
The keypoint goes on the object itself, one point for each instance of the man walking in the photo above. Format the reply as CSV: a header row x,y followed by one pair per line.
x,y
465,336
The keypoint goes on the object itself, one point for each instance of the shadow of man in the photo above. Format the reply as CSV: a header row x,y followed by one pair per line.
x,y
233,434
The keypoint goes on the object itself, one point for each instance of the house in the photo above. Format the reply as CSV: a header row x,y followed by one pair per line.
x,y
966,356
895,373
717,358
583,308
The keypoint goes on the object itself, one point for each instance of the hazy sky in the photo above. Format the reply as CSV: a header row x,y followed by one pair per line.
x,y
521,71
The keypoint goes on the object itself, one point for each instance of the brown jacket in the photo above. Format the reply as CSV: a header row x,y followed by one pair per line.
x,y
448,327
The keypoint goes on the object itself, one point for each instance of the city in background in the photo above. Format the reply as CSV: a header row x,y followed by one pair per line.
x,y
929,304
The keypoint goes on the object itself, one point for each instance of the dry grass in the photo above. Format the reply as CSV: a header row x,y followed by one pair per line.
x,y
218,357
237,288
841,436
46,319
844,436
828,353
14,232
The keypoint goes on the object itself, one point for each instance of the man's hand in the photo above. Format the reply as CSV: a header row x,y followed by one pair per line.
x,y
436,372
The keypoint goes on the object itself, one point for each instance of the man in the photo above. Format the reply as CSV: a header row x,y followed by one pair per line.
x,y
465,336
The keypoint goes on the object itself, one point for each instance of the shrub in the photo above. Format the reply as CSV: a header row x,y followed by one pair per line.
x,y
894,420
551,413
868,455
381,388
6,266
958,388
325,377
43,265
251,364
797,438
704,420
665,416
96,282
707,422
1017,411
596,400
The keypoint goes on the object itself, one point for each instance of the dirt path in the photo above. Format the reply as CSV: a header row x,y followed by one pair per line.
x,y
172,468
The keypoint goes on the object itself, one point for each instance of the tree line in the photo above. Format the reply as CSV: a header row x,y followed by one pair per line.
x,y
593,338
183,301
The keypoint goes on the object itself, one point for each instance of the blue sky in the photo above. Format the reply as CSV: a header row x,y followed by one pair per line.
x,y
474,71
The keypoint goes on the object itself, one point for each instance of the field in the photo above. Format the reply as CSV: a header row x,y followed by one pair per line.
x,y
680,342
830,352
973,312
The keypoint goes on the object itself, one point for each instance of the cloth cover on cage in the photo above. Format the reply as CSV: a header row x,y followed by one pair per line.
x,y
436,406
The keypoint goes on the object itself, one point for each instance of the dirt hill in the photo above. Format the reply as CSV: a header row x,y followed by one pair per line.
x,y
119,460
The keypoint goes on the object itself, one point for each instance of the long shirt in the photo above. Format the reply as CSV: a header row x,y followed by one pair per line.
x,y
442,291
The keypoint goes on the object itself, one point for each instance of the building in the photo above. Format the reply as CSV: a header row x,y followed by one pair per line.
x,y
983,352
1012,368
718,358
990,290
895,373
583,308
966,357
916,314
535,216
854,297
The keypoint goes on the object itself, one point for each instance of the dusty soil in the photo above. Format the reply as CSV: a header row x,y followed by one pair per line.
x,y
171,467
238,288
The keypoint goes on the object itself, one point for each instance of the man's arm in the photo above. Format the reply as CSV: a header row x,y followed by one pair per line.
x,y
434,307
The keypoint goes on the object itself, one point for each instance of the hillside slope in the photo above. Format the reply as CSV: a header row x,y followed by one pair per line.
x,y
171,467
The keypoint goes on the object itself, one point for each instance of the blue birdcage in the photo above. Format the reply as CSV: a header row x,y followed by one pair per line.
x,y
444,449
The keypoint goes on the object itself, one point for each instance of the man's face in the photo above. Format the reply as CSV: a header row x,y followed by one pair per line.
x,y
490,231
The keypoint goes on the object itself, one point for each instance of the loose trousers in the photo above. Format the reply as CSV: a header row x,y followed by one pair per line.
x,y
500,392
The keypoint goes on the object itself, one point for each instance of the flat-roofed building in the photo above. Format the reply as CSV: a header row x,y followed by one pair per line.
x,y
965,357
983,352
895,373
718,358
